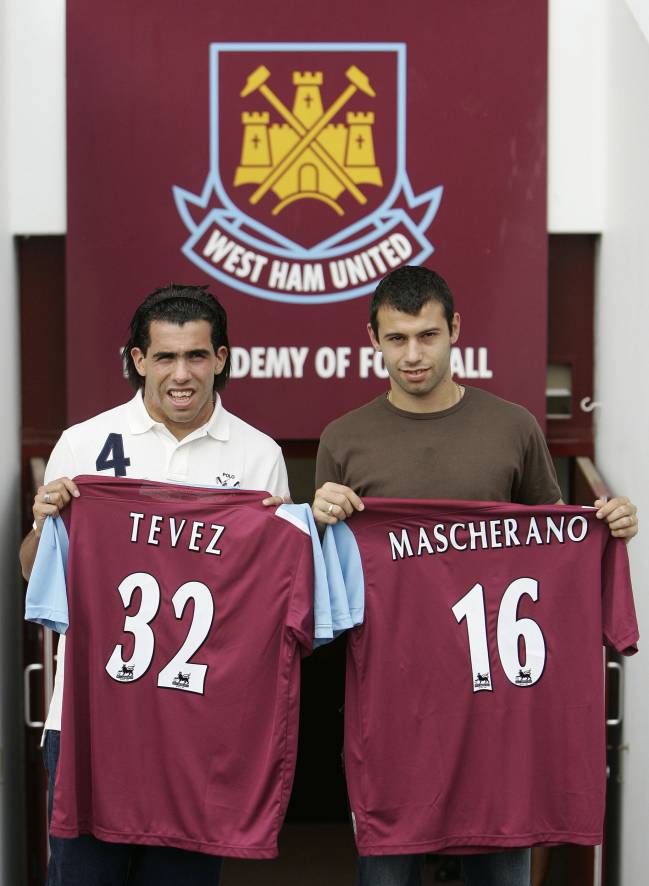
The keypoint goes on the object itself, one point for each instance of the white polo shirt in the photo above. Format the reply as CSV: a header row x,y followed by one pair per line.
x,y
127,442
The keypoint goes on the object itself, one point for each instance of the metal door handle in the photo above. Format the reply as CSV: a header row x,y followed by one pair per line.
x,y
616,666
33,724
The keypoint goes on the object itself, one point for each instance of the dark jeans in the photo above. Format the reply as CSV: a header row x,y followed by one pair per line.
x,y
86,861
510,868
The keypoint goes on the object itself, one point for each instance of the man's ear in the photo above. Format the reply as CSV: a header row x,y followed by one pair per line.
x,y
221,357
455,327
373,338
138,360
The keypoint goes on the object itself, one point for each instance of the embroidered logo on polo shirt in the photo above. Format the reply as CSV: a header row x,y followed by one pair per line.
x,y
230,481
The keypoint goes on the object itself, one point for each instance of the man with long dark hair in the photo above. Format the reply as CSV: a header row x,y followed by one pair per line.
x,y
174,429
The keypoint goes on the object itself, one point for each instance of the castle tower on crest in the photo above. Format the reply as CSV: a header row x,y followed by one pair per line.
x,y
255,150
307,104
360,143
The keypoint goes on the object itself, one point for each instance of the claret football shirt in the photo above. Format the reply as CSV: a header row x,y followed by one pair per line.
x,y
188,611
474,713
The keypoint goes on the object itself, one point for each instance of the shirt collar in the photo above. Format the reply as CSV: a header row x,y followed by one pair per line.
x,y
140,421
219,424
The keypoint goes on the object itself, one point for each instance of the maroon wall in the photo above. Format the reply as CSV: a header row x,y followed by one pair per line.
x,y
457,123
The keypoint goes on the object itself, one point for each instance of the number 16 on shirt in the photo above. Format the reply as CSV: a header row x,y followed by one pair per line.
x,y
509,631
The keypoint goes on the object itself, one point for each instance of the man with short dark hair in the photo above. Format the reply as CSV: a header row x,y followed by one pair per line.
x,y
174,429
432,438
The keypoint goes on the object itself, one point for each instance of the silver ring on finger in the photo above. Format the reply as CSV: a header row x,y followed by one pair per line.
x,y
46,498
330,509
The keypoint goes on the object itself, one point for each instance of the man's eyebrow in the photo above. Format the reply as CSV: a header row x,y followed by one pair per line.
x,y
166,355
421,332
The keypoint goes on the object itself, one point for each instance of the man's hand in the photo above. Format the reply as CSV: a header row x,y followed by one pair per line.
x,y
51,499
334,502
276,500
621,516
49,502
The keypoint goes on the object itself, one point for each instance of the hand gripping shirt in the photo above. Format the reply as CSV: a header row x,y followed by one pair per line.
x,y
188,609
474,714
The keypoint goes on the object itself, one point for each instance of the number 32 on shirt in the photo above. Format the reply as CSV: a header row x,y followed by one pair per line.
x,y
179,673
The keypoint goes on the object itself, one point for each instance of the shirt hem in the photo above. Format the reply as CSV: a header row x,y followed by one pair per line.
x,y
108,836
489,842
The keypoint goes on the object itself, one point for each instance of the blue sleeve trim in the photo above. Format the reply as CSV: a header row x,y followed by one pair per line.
x,y
47,600
322,603
345,577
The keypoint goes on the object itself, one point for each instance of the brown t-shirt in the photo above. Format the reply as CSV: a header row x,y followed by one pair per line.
x,y
481,449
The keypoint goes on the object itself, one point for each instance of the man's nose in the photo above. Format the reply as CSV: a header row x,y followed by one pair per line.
x,y
413,351
181,370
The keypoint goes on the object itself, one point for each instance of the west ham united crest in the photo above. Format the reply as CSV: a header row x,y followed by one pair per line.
x,y
307,198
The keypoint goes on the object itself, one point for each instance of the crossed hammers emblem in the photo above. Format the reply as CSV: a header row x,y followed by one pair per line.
x,y
308,138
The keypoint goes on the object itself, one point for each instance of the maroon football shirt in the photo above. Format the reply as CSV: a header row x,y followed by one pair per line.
x,y
475,687
188,609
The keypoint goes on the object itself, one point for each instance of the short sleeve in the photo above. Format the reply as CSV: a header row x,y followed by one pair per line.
x,y
61,462
326,468
310,610
345,577
277,483
537,484
619,623
300,613
46,602
323,604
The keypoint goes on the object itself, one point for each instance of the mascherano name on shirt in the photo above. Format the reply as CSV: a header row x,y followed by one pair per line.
x,y
483,535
